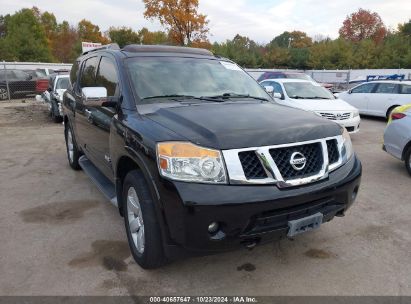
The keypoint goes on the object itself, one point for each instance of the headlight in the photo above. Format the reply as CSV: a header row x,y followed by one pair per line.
x,y
356,113
185,161
347,150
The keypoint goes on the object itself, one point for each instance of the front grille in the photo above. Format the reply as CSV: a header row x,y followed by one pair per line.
x,y
340,116
312,153
333,154
252,166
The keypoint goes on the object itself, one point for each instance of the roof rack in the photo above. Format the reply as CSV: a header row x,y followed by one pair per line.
x,y
111,46
386,77
136,48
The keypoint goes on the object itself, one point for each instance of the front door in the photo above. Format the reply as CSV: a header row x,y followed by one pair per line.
x,y
101,117
361,95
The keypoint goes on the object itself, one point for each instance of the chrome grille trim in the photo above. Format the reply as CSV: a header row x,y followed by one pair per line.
x,y
336,116
236,173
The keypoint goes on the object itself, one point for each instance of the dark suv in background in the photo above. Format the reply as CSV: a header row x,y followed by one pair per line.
x,y
18,83
196,155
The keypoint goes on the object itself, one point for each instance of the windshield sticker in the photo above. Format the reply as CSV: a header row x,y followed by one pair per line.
x,y
230,66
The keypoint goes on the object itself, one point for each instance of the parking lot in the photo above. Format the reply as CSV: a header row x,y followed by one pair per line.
x,y
59,235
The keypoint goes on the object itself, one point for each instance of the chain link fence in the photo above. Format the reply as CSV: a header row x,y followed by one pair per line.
x,y
20,80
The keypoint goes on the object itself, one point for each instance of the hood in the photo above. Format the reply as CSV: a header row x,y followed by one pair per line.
x,y
232,125
317,105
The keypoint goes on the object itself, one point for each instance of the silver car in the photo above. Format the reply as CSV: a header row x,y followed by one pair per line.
x,y
397,135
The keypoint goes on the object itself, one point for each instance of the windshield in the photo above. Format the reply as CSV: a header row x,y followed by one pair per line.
x,y
299,76
62,83
306,90
172,76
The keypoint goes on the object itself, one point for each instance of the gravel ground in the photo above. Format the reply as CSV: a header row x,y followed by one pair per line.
x,y
59,236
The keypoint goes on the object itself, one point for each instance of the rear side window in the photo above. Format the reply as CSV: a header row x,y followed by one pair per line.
x,y
74,71
107,76
88,75
387,88
20,75
405,89
365,88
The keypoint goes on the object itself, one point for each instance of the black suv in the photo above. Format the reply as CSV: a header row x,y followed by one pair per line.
x,y
197,156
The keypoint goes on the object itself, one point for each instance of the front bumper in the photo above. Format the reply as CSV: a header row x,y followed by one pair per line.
x,y
250,213
352,125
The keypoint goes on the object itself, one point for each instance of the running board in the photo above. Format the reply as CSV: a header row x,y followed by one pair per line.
x,y
99,179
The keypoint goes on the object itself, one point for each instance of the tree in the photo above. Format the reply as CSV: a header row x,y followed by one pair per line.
x,y
63,45
123,36
363,25
180,17
405,28
89,32
157,37
277,57
25,39
242,50
294,39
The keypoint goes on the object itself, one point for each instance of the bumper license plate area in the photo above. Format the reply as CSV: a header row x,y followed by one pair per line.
x,y
304,224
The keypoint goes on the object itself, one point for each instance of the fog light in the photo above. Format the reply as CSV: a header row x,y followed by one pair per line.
x,y
354,193
213,227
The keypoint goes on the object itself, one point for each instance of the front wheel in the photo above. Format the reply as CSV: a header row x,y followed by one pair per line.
x,y
143,230
73,154
408,160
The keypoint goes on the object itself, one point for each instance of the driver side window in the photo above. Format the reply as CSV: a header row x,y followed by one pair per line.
x,y
365,88
88,76
277,87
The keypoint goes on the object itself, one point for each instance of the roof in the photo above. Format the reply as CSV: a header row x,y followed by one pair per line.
x,y
285,80
135,48
139,49
389,81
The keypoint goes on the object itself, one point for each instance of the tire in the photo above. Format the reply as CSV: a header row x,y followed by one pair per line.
x,y
407,160
73,154
56,118
389,112
143,230
3,93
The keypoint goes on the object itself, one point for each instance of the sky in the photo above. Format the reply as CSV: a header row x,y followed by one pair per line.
x,y
261,20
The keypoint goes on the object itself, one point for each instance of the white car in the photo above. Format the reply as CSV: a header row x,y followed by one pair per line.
x,y
311,96
378,98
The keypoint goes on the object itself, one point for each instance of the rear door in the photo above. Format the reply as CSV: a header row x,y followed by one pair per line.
x,y
384,96
405,94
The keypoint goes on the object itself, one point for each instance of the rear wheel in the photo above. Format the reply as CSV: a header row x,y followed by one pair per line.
x,y
73,154
143,230
3,93
408,160
56,118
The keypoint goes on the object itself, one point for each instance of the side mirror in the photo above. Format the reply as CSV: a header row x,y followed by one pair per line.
x,y
349,91
269,90
94,96
278,95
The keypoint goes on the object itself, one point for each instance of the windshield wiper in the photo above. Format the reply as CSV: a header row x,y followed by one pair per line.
x,y
171,96
234,95
307,97
317,97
